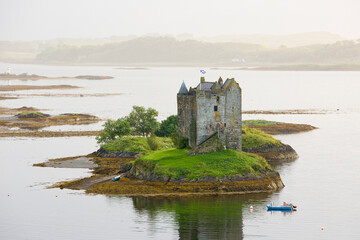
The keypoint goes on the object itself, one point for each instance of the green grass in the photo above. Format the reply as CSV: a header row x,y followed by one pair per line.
x,y
176,163
251,139
135,144
255,139
259,122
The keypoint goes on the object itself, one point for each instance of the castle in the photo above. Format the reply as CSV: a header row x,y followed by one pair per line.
x,y
209,115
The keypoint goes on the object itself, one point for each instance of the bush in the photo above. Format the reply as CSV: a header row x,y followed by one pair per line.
x,y
127,144
175,139
182,142
153,142
136,144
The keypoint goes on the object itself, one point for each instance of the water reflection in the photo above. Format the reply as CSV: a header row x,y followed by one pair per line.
x,y
219,217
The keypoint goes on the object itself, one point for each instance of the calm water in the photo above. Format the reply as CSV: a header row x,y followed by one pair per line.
x,y
324,182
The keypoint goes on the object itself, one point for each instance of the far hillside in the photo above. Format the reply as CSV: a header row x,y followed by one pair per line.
x,y
308,51
169,51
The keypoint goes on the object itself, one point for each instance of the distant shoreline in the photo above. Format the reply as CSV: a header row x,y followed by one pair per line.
x,y
301,67
212,66
25,76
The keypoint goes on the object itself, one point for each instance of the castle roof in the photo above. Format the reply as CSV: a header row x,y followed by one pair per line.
x,y
183,89
227,83
205,86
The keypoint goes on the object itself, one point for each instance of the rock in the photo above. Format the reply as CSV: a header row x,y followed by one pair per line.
x,y
106,154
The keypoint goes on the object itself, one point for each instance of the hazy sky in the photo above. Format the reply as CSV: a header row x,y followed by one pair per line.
x,y
46,19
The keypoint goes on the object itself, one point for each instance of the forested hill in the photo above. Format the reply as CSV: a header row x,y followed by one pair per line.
x,y
168,50
152,50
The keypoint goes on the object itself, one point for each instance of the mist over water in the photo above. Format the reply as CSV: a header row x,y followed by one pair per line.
x,y
323,182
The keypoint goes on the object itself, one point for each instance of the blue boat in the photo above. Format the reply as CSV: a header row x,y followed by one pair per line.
x,y
116,178
285,207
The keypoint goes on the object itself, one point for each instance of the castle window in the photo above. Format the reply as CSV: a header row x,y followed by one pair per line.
x,y
215,108
217,99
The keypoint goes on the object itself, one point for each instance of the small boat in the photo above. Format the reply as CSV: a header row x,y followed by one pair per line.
x,y
115,178
284,207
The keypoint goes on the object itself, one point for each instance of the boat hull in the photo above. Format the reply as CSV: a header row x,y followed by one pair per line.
x,y
115,178
282,208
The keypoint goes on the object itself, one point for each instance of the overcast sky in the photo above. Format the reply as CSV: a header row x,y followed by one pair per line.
x,y
47,19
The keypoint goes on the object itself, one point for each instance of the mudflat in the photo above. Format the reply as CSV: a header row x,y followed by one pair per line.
x,y
25,76
33,87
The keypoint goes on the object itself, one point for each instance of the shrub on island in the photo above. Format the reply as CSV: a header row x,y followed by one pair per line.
x,y
136,144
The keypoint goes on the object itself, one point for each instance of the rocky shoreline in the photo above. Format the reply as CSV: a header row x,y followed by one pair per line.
x,y
131,183
276,154
129,187
136,181
102,153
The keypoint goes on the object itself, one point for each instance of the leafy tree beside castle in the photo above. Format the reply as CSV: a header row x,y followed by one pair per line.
x,y
142,121
114,129
168,127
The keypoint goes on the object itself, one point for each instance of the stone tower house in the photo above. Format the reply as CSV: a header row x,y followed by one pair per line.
x,y
211,110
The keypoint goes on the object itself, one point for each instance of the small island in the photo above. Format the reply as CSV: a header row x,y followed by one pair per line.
x,y
169,170
36,120
274,128
33,87
25,76
204,149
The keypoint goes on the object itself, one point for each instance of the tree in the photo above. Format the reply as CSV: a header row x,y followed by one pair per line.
x,y
168,127
114,129
143,121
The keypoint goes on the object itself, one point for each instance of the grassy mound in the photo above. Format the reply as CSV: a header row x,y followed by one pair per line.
x,y
271,127
176,163
32,115
136,144
260,122
256,139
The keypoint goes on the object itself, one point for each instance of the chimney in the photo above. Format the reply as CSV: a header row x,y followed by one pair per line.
x,y
202,79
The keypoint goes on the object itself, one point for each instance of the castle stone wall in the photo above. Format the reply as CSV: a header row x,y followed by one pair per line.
x,y
208,120
233,117
186,112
